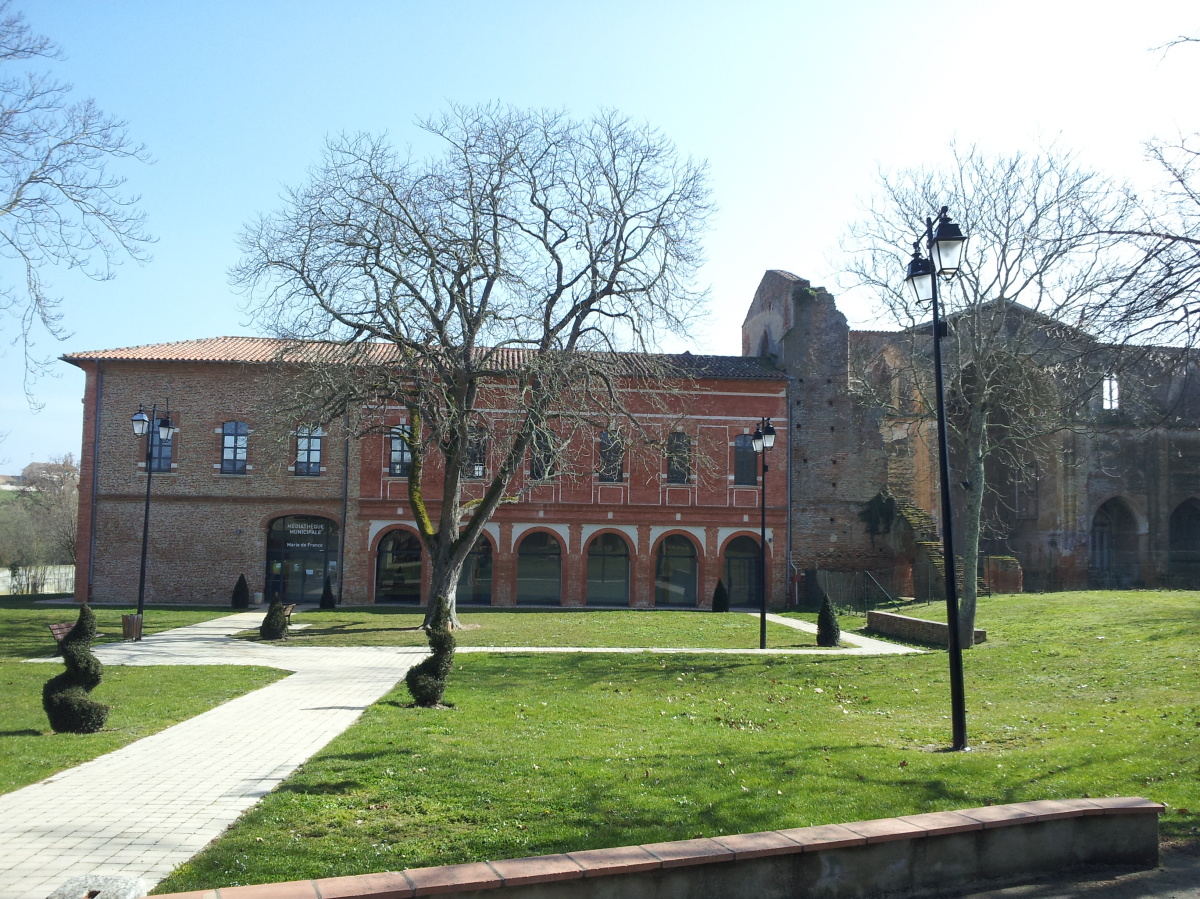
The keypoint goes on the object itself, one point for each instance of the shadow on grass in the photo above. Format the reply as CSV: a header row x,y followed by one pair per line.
x,y
28,732
318,789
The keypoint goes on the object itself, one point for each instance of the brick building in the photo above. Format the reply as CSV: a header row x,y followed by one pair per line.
x,y
227,500
1113,503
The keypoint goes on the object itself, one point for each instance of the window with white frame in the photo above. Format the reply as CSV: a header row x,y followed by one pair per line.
x,y
400,453
612,457
308,452
1110,393
234,438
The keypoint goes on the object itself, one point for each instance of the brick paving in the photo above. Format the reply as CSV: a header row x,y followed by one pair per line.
x,y
143,810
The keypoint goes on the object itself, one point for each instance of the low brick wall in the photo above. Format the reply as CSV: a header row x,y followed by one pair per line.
x,y
913,630
931,852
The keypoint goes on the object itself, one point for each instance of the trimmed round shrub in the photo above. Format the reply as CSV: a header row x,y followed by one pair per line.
x,y
720,598
274,626
426,681
327,598
241,593
829,632
65,696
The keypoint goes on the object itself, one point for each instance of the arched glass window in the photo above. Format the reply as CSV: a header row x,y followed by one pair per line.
x,y
676,572
398,569
743,565
301,553
608,571
234,438
539,570
475,579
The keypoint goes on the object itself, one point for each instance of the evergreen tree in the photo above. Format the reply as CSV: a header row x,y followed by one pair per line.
x,y
241,593
829,632
65,696
426,681
274,626
720,598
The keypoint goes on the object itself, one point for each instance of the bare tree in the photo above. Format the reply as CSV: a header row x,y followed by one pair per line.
x,y
1021,360
51,489
491,295
59,203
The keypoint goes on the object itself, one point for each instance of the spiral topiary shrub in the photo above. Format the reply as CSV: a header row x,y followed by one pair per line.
x,y
274,625
327,600
720,597
65,696
426,681
829,632
241,593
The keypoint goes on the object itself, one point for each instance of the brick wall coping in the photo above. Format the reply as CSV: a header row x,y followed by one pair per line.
x,y
593,863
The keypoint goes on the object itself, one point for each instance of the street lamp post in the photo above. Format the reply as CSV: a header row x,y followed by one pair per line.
x,y
141,428
763,440
945,244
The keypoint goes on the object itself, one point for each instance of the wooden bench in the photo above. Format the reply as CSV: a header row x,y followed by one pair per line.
x,y
59,632
287,613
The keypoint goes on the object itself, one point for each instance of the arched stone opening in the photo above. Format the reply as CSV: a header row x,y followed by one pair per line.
x,y
539,570
475,579
398,569
743,571
677,573
1114,560
608,571
1184,558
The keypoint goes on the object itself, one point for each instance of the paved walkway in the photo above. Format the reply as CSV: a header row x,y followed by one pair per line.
x,y
143,810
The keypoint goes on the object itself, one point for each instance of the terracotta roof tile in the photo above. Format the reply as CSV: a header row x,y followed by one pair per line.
x,y
260,350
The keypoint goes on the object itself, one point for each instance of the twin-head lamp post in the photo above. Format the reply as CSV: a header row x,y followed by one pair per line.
x,y
763,440
945,243
166,431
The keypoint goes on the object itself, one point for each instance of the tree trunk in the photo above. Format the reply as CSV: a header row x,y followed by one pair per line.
x,y
972,518
443,583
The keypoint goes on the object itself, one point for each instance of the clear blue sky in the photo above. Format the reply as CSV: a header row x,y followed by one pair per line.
x,y
796,105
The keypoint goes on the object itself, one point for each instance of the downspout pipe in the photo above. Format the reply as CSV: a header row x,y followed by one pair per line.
x,y
345,505
95,480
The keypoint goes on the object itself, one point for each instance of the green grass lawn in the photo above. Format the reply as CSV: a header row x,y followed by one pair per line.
x,y
143,700
395,626
1073,695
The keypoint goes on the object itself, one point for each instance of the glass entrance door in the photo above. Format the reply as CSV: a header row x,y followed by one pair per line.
x,y
301,553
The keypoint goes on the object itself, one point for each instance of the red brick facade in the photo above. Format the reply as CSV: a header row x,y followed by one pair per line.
x,y
207,527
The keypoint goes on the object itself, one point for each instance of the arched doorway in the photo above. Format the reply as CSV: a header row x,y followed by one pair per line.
x,y
301,553
743,577
676,572
1114,546
1184,559
539,570
608,571
475,579
398,569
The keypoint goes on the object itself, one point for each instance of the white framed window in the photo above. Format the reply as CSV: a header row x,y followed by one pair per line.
x,y
1110,393
308,452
